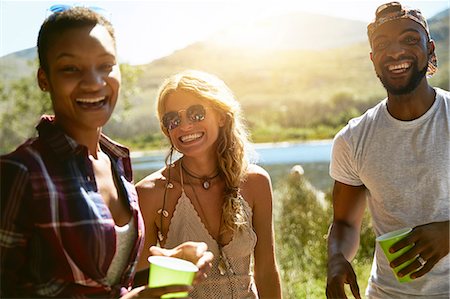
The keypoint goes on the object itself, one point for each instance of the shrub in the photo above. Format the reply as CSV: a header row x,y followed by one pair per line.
x,y
302,218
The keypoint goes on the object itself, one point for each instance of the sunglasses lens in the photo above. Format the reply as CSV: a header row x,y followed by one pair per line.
x,y
59,7
196,113
171,120
99,10
106,14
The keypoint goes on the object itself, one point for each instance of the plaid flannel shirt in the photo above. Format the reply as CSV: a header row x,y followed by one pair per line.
x,y
57,236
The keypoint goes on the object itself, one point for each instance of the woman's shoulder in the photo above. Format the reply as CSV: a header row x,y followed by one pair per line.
x,y
257,172
257,185
153,181
149,189
256,177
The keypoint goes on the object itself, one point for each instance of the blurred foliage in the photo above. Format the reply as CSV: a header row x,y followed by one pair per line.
x,y
119,126
302,220
287,94
22,103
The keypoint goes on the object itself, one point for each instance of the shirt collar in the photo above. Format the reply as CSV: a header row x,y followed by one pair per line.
x,y
65,146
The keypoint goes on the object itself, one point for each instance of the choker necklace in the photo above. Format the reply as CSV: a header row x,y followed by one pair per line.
x,y
206,180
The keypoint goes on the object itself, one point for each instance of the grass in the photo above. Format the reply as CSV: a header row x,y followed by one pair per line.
x,y
301,227
314,288
362,270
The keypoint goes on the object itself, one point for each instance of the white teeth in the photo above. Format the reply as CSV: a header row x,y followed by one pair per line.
x,y
91,100
191,137
398,66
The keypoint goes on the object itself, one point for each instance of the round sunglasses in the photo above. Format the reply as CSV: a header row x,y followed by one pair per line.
x,y
194,113
58,8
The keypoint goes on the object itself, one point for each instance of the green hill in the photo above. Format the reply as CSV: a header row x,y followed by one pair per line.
x,y
291,90
297,76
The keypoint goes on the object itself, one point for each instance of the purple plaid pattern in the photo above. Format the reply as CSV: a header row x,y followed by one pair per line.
x,y
57,236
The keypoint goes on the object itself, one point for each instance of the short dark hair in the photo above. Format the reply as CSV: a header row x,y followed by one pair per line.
x,y
59,22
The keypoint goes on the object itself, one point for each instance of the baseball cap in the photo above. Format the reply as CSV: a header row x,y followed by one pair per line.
x,y
393,11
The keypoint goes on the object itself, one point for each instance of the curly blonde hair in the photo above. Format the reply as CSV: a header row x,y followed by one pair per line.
x,y
232,142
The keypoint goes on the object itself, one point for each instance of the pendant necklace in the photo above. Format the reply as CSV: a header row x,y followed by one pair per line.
x,y
206,180
224,264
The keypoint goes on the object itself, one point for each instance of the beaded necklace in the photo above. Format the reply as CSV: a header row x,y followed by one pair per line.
x,y
206,180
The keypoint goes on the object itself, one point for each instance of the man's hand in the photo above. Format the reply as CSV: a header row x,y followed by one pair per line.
x,y
195,252
431,244
340,272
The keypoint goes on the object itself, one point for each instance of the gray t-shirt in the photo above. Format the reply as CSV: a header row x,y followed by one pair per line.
x,y
405,165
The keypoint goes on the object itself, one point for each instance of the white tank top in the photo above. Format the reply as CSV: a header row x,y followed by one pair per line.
x,y
237,280
125,238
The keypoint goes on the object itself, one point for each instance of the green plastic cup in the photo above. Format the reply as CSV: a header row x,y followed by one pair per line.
x,y
389,239
166,271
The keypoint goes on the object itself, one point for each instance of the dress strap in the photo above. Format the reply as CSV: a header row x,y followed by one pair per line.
x,y
181,177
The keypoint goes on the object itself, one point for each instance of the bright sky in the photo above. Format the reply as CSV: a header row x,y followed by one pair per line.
x,y
147,30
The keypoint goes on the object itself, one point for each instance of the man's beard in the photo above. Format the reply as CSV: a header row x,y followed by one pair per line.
x,y
414,81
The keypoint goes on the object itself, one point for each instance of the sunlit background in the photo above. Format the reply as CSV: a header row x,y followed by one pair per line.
x,y
147,30
300,70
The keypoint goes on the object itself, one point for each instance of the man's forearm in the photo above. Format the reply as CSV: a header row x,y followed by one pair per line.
x,y
343,239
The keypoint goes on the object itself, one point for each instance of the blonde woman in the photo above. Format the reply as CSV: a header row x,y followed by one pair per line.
x,y
211,194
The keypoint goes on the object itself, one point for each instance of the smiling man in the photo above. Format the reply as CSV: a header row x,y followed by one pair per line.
x,y
396,158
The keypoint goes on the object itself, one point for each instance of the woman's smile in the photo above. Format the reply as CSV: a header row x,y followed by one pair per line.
x,y
91,103
191,137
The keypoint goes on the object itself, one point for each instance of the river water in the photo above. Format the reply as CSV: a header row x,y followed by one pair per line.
x,y
276,158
